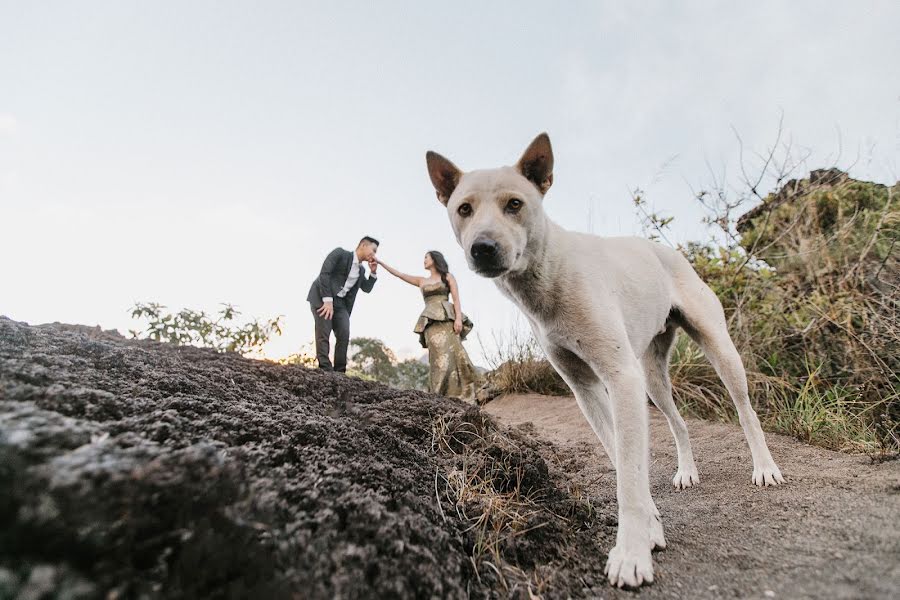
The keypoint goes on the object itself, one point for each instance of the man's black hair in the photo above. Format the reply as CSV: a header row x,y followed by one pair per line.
x,y
369,239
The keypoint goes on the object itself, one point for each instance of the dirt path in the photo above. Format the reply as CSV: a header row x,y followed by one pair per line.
x,y
832,532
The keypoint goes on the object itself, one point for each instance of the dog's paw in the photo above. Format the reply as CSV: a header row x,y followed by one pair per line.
x,y
686,478
767,475
657,537
631,567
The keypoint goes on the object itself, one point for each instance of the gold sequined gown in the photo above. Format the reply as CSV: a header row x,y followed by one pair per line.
x,y
452,373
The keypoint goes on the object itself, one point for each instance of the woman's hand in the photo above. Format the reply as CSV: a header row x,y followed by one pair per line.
x,y
457,325
416,281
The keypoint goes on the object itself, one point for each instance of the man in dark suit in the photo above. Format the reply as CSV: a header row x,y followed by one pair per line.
x,y
332,295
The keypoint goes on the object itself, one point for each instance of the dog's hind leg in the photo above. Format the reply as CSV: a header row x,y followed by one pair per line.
x,y
703,319
659,387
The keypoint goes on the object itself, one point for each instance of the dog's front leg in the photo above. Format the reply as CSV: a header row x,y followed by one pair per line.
x,y
629,562
597,407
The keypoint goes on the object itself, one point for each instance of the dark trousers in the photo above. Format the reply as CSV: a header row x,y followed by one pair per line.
x,y
340,324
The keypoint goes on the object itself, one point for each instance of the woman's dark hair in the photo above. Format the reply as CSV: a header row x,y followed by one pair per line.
x,y
440,263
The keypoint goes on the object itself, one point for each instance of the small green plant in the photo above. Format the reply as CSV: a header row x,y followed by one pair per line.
x,y
305,358
197,328
653,225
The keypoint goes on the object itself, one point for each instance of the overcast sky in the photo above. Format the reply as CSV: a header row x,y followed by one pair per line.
x,y
193,153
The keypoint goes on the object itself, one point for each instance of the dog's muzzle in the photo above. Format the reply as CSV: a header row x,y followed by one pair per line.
x,y
487,257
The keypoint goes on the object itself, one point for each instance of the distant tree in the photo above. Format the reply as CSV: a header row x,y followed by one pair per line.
x,y
412,374
192,327
371,359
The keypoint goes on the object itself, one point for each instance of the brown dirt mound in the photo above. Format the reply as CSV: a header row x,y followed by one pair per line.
x,y
138,469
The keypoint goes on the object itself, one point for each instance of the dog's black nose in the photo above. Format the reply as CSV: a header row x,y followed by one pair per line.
x,y
485,250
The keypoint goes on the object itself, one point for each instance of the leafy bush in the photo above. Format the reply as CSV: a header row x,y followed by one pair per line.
x,y
411,374
196,328
810,283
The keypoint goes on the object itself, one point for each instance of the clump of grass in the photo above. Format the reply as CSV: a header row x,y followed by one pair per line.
x,y
832,416
499,492
518,366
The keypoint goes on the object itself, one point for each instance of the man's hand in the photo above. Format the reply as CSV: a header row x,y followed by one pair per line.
x,y
457,325
326,311
373,266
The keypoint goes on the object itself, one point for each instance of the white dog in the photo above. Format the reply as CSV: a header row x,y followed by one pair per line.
x,y
605,311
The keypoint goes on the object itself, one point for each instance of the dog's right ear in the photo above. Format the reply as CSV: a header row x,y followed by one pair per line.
x,y
444,175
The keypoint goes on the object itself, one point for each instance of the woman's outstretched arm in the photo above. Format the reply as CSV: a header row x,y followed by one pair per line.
x,y
454,293
410,279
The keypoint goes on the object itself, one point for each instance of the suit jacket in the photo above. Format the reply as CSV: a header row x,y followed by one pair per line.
x,y
333,276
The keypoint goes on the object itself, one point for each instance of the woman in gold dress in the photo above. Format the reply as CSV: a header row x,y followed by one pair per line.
x,y
441,327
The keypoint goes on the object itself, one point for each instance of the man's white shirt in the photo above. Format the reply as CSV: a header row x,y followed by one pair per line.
x,y
351,279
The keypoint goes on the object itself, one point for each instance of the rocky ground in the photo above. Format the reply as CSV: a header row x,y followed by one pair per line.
x,y
134,469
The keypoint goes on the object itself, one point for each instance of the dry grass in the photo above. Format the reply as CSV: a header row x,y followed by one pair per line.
x,y
518,366
811,289
831,416
491,490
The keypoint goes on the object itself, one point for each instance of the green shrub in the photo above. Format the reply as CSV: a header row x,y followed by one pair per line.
x,y
196,328
814,279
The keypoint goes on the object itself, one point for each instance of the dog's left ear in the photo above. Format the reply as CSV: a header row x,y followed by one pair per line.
x,y
444,175
537,163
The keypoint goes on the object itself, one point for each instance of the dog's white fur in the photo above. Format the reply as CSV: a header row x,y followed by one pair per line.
x,y
605,311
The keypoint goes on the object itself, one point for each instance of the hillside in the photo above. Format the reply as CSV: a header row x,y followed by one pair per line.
x,y
138,469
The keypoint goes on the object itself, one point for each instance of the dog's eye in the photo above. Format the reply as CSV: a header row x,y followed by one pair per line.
x,y
514,205
464,210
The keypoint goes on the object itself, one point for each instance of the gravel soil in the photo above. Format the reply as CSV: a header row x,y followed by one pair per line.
x,y
833,531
